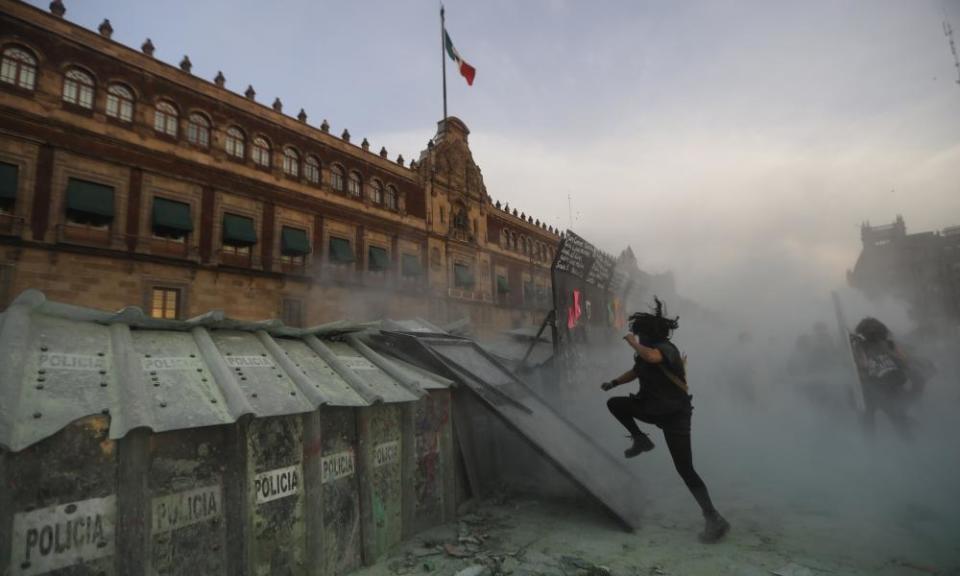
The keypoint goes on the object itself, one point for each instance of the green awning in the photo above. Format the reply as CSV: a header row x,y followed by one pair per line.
x,y
171,215
90,198
340,250
8,181
410,265
377,259
502,286
294,242
238,230
462,275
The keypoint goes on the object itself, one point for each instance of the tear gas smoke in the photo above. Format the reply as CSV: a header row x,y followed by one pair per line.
x,y
778,441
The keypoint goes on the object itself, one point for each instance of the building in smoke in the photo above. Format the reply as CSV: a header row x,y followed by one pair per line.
x,y
128,181
921,268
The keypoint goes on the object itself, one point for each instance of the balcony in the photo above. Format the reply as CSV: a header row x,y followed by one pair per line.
x,y
171,247
87,235
10,225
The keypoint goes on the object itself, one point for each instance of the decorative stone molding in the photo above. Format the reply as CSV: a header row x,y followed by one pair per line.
x,y
57,8
250,93
147,47
325,126
220,80
345,136
277,105
186,65
365,145
302,116
383,151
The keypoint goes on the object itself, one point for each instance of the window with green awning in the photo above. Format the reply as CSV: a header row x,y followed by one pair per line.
x,y
341,252
294,242
462,276
238,230
503,287
171,218
377,259
89,202
9,177
410,265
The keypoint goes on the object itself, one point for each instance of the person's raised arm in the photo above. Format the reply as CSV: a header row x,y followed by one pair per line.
x,y
649,355
626,377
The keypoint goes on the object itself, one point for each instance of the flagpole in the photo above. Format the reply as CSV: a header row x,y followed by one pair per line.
x,y
443,59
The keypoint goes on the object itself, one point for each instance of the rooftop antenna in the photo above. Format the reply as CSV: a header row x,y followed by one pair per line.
x,y
948,32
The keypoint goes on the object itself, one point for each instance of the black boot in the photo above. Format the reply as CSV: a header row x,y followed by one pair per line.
x,y
641,444
715,528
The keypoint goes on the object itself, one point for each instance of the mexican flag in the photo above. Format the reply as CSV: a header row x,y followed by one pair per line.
x,y
466,70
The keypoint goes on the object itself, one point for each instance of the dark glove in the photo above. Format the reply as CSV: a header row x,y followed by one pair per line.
x,y
607,386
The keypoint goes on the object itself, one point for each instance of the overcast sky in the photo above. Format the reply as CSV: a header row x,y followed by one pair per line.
x,y
739,144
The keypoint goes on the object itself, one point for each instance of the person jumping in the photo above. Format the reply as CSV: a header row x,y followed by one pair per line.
x,y
664,401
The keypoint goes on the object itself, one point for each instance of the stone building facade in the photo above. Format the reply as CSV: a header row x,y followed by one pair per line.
x,y
921,268
128,181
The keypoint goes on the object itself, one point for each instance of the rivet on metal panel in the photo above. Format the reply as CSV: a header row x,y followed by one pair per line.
x,y
41,379
156,384
43,348
199,369
163,404
193,355
103,384
146,355
244,378
153,372
293,393
213,400
254,395
279,375
36,414
203,379
103,372
228,354
264,355
39,386
100,354
41,371
105,411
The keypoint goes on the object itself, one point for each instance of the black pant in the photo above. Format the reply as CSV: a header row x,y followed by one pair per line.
x,y
675,424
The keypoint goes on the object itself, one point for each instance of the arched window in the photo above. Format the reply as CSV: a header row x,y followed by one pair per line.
x,y
376,192
336,178
261,152
198,130
291,162
390,198
235,143
165,119
19,68
311,170
78,88
120,102
354,184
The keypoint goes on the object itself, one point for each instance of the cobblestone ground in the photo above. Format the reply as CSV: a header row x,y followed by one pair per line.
x,y
516,537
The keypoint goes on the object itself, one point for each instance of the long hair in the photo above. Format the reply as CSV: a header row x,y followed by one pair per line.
x,y
656,325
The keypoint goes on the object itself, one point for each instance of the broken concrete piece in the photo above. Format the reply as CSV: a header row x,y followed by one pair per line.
x,y
455,551
474,570
792,569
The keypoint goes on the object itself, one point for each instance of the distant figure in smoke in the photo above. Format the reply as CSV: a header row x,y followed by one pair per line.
x,y
663,401
889,380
